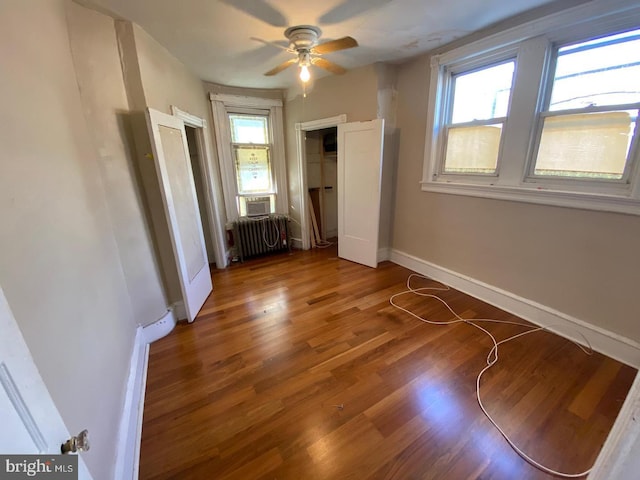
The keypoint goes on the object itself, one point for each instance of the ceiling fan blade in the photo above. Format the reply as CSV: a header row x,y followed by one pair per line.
x,y
273,44
349,9
327,65
281,67
335,45
259,9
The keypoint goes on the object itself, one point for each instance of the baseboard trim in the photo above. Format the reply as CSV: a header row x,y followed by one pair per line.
x,y
161,327
608,343
179,310
384,254
130,434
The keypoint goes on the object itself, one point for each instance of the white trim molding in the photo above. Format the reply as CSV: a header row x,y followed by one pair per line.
x,y
384,254
247,102
608,343
130,431
301,153
187,118
130,435
211,182
620,453
164,325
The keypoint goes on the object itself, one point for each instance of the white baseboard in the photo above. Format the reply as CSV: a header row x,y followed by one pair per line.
x,y
179,310
130,433
384,254
161,327
608,343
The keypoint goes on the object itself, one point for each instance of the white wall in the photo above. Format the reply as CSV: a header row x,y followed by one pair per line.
x,y
104,98
60,267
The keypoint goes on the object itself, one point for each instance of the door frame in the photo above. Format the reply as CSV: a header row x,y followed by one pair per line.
x,y
211,183
194,286
301,128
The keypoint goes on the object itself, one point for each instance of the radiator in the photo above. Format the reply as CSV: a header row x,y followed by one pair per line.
x,y
258,236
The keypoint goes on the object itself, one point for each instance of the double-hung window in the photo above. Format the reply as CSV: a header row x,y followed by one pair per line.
x,y
250,145
546,113
479,102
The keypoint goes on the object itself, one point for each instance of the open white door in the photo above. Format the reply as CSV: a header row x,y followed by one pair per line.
x,y
31,423
171,155
359,179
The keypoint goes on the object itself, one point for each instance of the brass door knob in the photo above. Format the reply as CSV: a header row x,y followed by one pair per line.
x,y
79,443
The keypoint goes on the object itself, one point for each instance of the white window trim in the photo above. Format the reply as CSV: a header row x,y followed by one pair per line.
x,y
220,103
525,42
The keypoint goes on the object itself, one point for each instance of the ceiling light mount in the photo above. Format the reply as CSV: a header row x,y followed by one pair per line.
x,y
303,37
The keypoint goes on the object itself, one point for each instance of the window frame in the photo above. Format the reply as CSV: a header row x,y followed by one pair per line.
x,y
534,45
222,105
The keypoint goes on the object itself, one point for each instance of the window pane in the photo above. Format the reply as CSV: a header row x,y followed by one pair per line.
x,y
253,170
589,145
473,149
600,72
248,129
482,94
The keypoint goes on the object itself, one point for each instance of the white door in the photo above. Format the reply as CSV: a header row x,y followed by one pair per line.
x,y
171,155
359,180
31,423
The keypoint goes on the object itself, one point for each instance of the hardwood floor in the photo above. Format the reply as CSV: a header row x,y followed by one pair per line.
x,y
298,368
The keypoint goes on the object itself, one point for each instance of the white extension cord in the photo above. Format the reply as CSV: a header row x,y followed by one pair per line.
x,y
263,219
492,357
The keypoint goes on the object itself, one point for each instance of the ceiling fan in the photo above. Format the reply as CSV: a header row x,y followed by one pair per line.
x,y
303,43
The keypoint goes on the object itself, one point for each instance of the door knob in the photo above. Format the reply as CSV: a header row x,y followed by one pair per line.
x,y
79,443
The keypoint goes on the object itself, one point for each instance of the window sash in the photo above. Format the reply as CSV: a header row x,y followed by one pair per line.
x,y
442,170
237,148
264,117
450,74
629,160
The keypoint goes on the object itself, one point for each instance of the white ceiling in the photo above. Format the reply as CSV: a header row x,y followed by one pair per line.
x,y
213,37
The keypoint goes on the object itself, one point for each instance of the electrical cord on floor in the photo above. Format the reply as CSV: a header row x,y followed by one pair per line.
x,y
492,357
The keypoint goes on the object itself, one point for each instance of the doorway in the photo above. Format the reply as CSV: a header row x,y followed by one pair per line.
x,y
198,176
321,148
207,184
302,130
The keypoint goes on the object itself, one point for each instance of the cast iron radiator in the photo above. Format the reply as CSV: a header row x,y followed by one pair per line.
x,y
258,236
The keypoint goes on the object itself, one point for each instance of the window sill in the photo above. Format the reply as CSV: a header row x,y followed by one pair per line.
x,y
558,198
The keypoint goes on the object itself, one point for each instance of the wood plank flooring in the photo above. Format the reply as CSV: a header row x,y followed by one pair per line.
x,y
298,368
